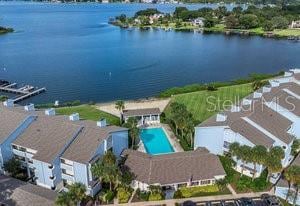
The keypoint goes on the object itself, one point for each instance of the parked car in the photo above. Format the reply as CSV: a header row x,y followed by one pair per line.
x,y
189,203
246,202
270,200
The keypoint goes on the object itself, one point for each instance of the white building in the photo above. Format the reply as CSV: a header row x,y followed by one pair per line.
x,y
144,116
269,117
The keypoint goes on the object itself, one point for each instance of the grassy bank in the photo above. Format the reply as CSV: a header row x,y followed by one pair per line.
x,y
199,103
89,112
200,191
277,33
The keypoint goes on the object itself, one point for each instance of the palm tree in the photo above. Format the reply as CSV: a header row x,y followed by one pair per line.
x,y
259,153
289,176
77,192
273,164
64,199
134,131
234,150
296,178
245,152
120,105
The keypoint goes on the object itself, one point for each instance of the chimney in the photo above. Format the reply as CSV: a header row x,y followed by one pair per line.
x,y
8,103
221,117
102,123
74,117
246,101
266,89
50,112
235,108
257,95
29,107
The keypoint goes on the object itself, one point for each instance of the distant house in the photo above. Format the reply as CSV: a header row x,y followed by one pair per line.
x,y
198,22
144,116
295,25
282,187
174,170
155,17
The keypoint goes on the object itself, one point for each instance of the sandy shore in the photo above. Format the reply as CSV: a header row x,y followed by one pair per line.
x,y
134,104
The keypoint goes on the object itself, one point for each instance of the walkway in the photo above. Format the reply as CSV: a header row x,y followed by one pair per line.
x,y
172,138
197,199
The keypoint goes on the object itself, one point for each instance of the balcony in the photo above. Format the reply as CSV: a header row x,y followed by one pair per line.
x,y
67,177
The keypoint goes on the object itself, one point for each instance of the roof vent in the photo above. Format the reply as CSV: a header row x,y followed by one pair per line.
x,y
50,112
221,117
29,107
102,123
8,103
74,117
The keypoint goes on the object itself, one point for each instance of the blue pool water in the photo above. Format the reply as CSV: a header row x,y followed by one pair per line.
x,y
156,141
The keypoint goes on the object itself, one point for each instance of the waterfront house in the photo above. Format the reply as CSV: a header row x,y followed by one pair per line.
x,y
295,25
198,22
174,170
144,116
268,117
94,141
12,124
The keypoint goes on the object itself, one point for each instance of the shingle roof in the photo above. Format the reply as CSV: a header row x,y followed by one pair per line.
x,y
140,112
83,148
10,120
173,168
48,135
16,192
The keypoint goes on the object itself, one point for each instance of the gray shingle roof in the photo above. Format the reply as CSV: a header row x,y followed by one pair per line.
x,y
83,148
48,135
140,112
10,120
16,192
173,168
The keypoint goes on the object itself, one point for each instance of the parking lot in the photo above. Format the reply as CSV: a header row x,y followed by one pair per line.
x,y
236,202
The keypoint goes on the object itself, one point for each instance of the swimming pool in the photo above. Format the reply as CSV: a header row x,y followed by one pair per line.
x,y
156,141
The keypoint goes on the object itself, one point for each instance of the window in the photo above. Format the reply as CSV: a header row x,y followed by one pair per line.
x,y
205,182
67,162
182,185
67,172
194,183
15,147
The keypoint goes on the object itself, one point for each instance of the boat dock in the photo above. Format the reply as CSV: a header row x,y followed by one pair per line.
x,y
22,93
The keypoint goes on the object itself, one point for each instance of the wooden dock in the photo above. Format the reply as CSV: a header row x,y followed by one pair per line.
x,y
23,92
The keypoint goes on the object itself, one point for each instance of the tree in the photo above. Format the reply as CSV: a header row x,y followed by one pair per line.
x,y
273,165
246,156
64,199
106,171
231,22
209,22
268,26
237,11
289,176
134,131
257,84
248,21
295,147
277,153
259,153
234,150
13,166
77,192
280,22
122,18
120,105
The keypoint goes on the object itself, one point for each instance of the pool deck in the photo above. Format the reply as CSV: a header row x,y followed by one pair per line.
x,y
172,138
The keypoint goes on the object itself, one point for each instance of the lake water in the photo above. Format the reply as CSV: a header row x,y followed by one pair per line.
x,y
71,50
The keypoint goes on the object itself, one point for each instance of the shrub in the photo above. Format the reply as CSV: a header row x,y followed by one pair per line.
x,y
156,196
143,195
123,195
177,194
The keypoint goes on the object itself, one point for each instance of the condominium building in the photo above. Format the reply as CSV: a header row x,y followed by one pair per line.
x,y
268,117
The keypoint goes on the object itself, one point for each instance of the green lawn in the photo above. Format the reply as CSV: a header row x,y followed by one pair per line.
x,y
287,32
89,112
200,103
198,191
